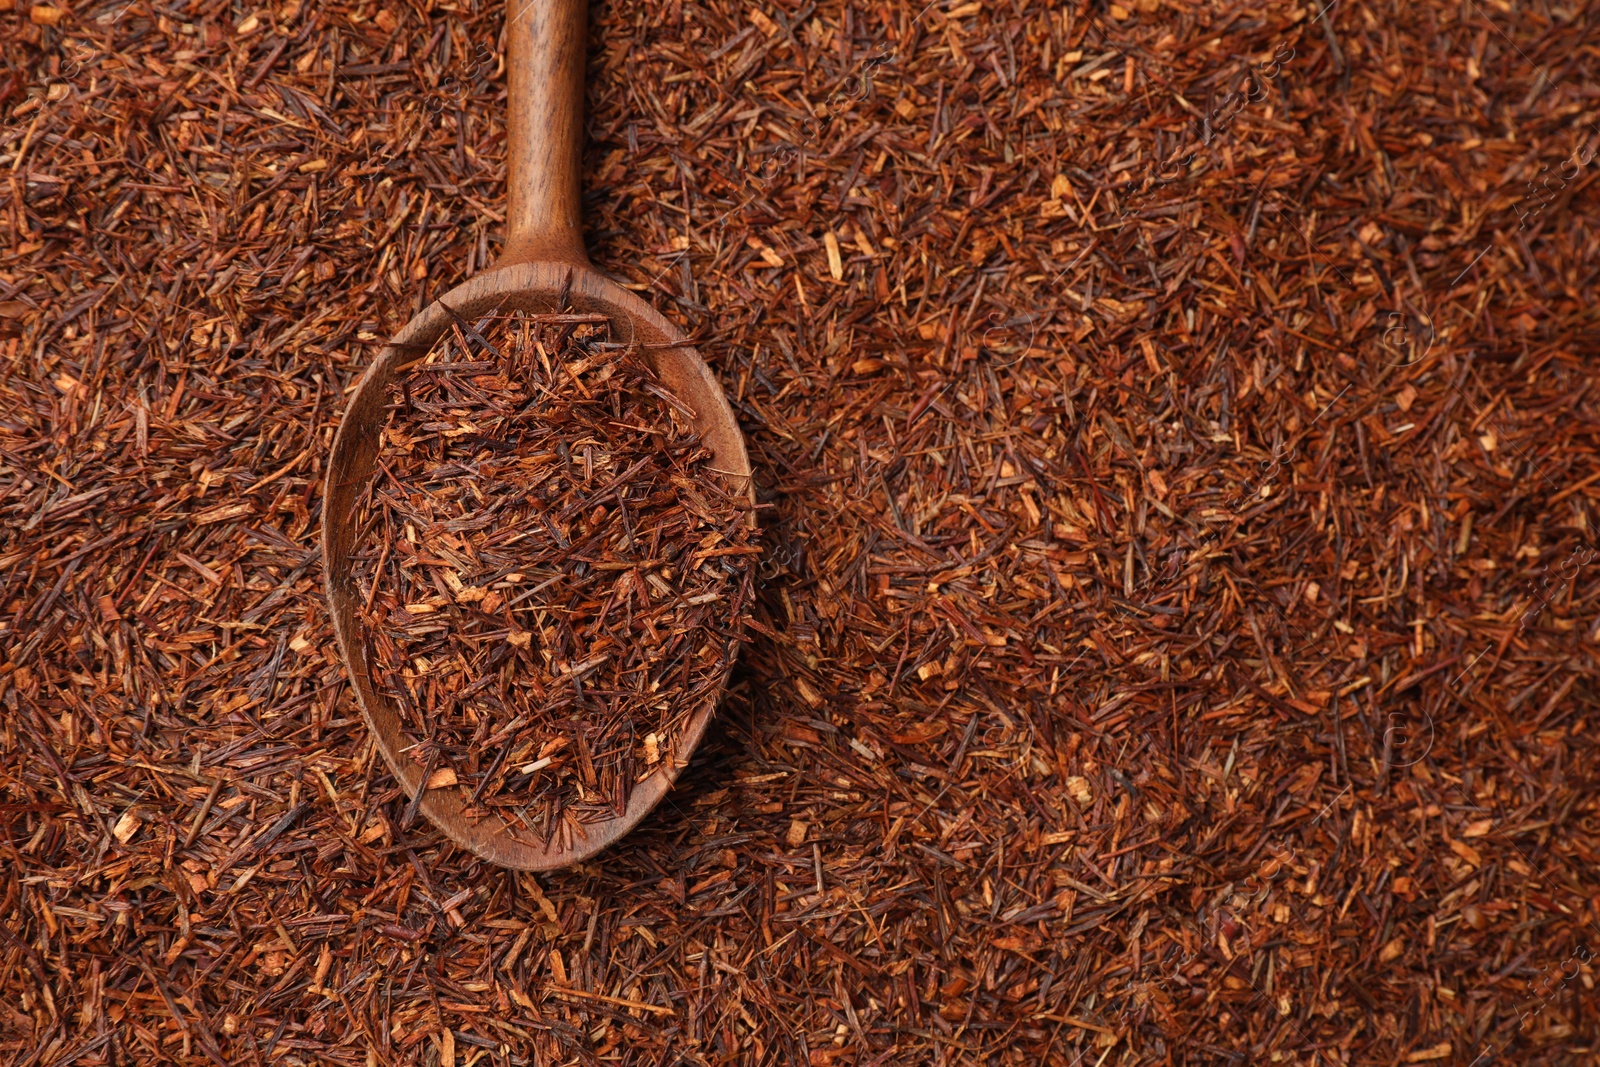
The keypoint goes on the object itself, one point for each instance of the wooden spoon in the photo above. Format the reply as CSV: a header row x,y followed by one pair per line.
x,y
544,269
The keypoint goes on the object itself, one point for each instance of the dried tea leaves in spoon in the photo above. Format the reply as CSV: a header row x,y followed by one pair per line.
x,y
555,577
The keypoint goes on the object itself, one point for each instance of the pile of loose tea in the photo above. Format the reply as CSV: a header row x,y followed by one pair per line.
x,y
555,577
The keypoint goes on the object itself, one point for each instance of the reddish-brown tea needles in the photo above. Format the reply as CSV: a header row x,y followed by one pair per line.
x,y
555,579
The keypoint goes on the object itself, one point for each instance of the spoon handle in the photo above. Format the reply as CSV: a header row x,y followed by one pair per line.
x,y
546,42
